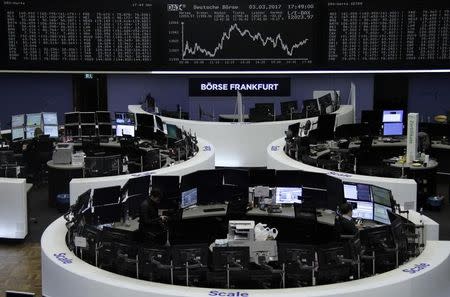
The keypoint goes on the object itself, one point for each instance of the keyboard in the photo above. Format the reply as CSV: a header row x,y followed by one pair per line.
x,y
213,209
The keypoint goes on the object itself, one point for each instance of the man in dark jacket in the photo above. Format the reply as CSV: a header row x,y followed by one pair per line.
x,y
344,222
151,224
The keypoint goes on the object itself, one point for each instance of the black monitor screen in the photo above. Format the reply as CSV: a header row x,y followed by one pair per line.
x,y
104,129
360,192
326,124
170,189
72,118
288,178
265,107
325,104
288,107
381,196
71,130
88,130
87,118
262,177
311,108
107,195
143,119
103,117
297,254
124,118
232,256
295,129
106,214
190,253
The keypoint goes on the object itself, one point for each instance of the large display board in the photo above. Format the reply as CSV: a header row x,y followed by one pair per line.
x,y
148,35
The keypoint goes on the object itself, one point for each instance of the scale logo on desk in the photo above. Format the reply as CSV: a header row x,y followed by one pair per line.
x,y
416,268
228,294
63,258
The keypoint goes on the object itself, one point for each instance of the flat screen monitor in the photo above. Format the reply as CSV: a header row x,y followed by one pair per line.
x,y
88,130
325,125
50,118
122,130
159,123
18,120
172,131
87,118
71,130
33,119
392,116
51,130
325,104
288,195
392,129
29,132
381,196
267,108
190,253
17,133
295,129
357,192
311,108
170,190
232,256
288,107
72,118
189,198
288,178
362,209
380,214
107,195
124,118
143,119
261,177
103,117
104,130
106,214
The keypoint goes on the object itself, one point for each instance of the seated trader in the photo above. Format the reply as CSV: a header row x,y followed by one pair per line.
x,y
344,221
151,224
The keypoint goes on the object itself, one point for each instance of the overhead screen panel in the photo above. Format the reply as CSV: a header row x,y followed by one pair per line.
x,y
193,35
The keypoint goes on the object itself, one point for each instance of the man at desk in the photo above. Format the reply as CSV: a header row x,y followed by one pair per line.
x,y
151,224
344,222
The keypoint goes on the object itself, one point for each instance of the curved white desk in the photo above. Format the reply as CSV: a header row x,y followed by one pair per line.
x,y
403,190
243,144
204,159
63,274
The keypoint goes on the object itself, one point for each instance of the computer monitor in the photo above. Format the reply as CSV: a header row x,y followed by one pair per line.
x,y
288,107
106,195
88,130
106,214
362,209
295,129
392,116
288,195
381,196
296,254
190,253
103,117
325,104
172,131
71,130
33,119
82,202
393,129
311,108
122,130
52,131
50,118
267,108
104,130
17,133
134,192
124,118
189,198
234,257
288,178
18,120
29,132
325,126
144,119
380,213
72,118
169,185
159,123
357,192
261,177
87,118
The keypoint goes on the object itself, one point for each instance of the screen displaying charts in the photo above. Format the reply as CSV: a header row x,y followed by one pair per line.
x,y
359,192
363,210
381,196
288,195
33,119
17,120
380,213
241,32
189,198
50,118
29,132
122,130
17,133
51,130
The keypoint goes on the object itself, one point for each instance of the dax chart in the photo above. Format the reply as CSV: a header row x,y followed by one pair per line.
x,y
241,33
